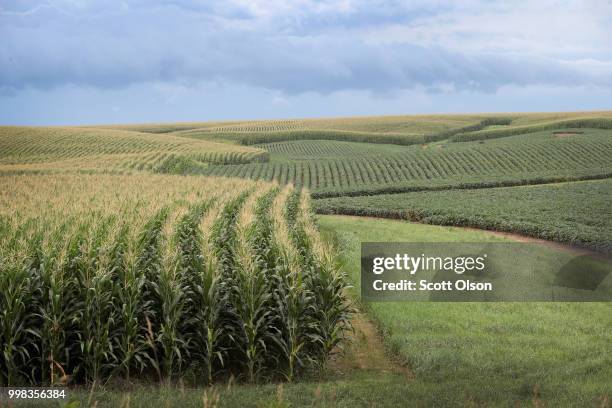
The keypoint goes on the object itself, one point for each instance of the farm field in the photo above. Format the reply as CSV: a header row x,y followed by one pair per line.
x,y
407,129
357,169
71,148
443,354
246,204
305,150
576,213
191,250
397,125
162,277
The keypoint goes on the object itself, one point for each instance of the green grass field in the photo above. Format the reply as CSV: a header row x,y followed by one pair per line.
x,y
491,354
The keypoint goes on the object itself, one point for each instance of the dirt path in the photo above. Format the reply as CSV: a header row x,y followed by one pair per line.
x,y
562,135
549,244
365,351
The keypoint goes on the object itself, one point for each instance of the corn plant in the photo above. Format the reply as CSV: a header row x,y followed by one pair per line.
x,y
137,262
206,301
96,315
160,277
326,281
249,291
59,301
169,291
20,287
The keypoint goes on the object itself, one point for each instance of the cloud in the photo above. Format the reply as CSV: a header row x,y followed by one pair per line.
x,y
306,46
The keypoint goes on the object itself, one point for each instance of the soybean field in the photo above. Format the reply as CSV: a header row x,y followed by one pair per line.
x,y
331,168
577,213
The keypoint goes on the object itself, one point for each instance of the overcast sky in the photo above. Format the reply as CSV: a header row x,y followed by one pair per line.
x,y
79,62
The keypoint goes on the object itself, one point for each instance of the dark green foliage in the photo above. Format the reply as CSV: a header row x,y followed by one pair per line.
x,y
190,164
167,301
18,315
466,183
501,121
575,213
177,164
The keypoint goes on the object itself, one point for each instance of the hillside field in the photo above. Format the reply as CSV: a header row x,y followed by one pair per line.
x,y
69,149
189,254
345,168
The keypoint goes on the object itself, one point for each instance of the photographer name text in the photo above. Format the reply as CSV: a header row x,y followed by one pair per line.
x,y
413,264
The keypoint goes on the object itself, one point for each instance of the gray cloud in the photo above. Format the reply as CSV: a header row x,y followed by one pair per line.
x,y
322,47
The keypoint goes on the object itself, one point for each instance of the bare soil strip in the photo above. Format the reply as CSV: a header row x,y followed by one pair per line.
x,y
366,351
561,135
549,244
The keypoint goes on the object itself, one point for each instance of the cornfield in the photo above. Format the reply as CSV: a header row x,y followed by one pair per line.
x,y
106,276
385,130
69,148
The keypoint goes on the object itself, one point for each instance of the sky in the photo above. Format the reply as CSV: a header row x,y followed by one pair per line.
x,y
94,62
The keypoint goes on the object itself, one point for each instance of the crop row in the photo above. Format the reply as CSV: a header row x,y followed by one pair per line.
x,y
543,158
253,135
259,126
373,137
107,276
575,213
34,144
322,149
22,145
589,123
